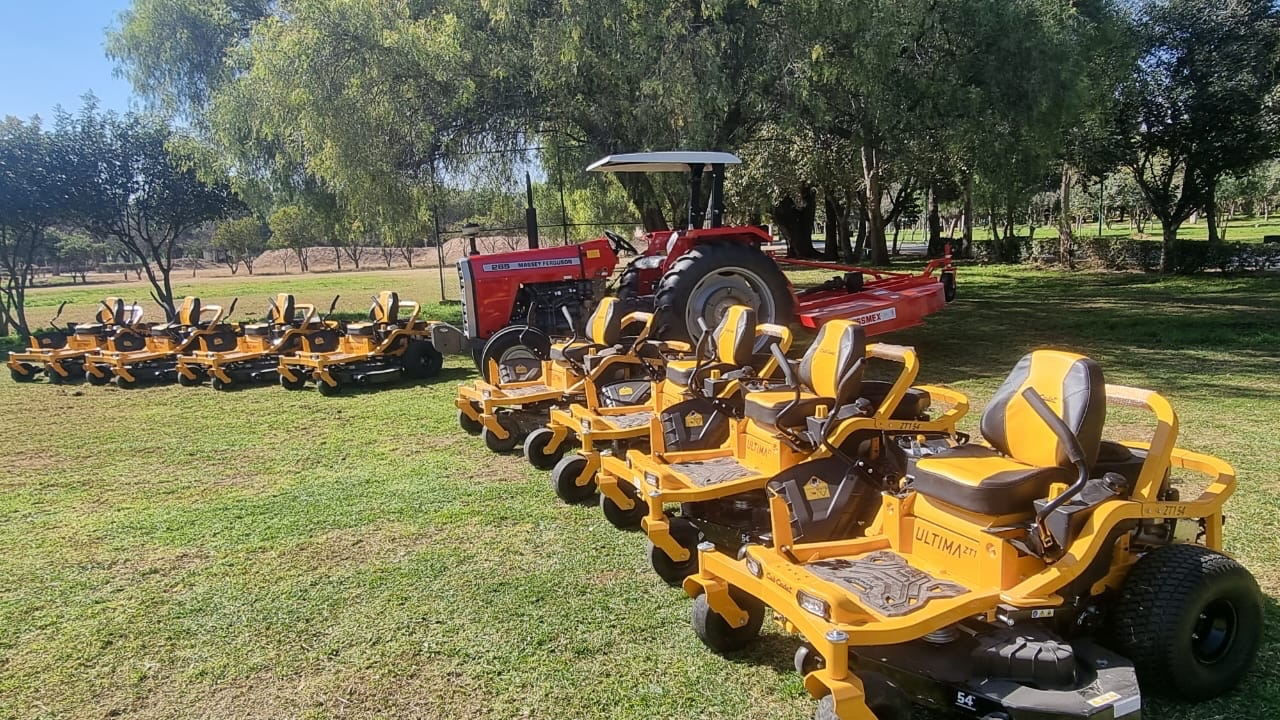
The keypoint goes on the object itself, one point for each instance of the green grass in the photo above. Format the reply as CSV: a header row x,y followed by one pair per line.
x,y
173,552
1247,229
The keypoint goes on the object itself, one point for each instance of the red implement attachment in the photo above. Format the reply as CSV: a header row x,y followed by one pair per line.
x,y
879,300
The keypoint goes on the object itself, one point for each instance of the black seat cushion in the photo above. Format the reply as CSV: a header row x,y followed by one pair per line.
x,y
913,406
575,352
360,329
981,480
773,409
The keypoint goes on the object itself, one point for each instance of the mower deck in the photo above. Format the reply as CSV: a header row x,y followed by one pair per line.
x,y
884,302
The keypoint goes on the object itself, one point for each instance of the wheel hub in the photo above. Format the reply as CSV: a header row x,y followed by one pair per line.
x,y
1214,632
717,292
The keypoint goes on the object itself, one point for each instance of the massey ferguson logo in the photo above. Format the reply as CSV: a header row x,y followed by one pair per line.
x,y
531,264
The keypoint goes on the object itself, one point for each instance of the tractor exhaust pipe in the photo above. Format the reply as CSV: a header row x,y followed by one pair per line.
x,y
530,213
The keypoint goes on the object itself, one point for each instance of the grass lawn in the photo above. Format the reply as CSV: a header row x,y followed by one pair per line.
x,y
178,553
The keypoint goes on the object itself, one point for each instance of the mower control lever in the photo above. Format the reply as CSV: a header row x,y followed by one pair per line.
x,y
1075,453
788,372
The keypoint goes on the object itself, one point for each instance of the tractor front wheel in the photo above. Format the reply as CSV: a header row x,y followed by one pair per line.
x,y
709,279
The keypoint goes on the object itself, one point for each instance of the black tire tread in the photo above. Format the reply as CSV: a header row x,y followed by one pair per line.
x,y
1145,619
671,292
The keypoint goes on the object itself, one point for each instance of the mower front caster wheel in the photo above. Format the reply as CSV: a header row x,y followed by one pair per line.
x,y
684,532
17,375
468,425
328,390
185,381
97,379
716,633
502,445
564,480
535,449
623,519
288,384
125,383
219,384
884,699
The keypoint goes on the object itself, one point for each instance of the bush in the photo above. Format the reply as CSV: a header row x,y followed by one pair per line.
x,y
1186,257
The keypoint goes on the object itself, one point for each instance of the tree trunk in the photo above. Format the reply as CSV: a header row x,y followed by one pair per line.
x,y
643,198
835,218
936,246
796,223
1169,236
1211,208
966,238
876,241
1064,217
860,248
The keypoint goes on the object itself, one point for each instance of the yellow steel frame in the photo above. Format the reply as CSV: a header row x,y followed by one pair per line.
x,y
318,366
955,545
158,348
652,478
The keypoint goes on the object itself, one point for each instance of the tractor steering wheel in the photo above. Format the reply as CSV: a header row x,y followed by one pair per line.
x,y
620,244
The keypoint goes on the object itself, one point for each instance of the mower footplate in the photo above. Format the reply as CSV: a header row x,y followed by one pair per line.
x,y
705,473
519,392
884,582
630,421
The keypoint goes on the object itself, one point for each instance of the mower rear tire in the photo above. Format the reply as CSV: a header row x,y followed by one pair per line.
x,y
185,381
884,699
422,360
288,384
535,449
707,280
497,444
469,426
688,536
564,480
623,519
1188,618
517,341
716,633
19,377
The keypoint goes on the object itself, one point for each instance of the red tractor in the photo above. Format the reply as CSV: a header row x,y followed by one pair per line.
x,y
513,302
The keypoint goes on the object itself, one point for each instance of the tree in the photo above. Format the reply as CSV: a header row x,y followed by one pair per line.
x,y
295,229
241,240
1200,103
146,197
76,251
39,187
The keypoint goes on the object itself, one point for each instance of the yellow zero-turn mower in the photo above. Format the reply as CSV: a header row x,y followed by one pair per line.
x,y
734,353
827,423
1044,573
290,327
153,357
386,349
60,353
521,388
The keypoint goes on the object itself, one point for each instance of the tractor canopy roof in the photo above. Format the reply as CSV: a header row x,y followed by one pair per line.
x,y
674,161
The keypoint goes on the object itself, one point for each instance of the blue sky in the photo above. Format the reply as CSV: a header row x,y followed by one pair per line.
x,y
51,54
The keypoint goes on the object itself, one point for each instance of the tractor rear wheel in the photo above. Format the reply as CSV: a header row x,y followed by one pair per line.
x,y
514,344
709,279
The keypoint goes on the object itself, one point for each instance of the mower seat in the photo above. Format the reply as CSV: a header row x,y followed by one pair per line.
x,y
913,406
1024,457
282,312
825,373
604,330
732,346
360,329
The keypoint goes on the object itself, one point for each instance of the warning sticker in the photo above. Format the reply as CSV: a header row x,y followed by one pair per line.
x,y
531,264
1105,699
